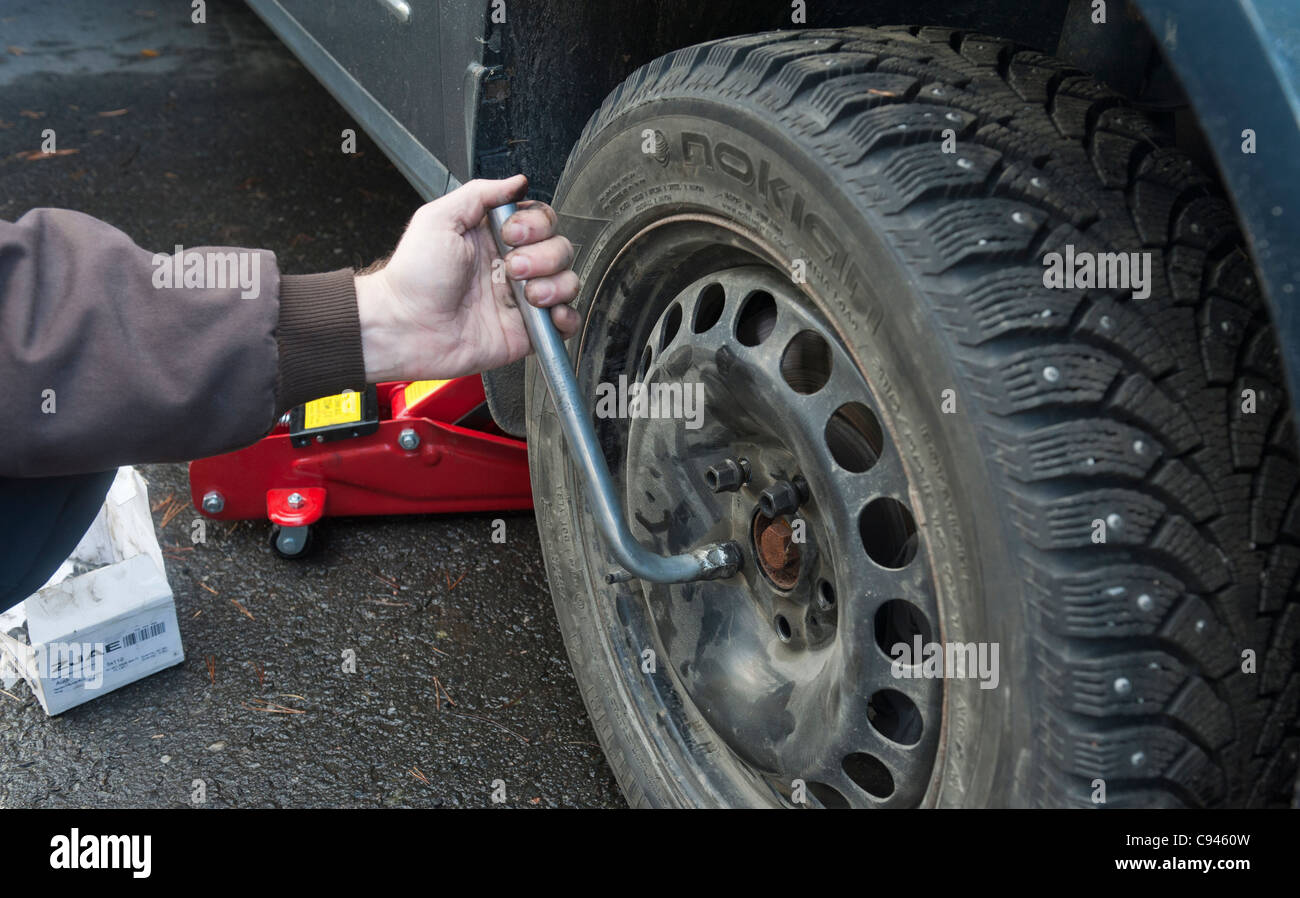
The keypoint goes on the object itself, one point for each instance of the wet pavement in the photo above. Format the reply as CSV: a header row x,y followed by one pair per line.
x,y
213,134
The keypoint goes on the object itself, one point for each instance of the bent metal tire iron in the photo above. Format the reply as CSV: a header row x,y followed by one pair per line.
x,y
710,562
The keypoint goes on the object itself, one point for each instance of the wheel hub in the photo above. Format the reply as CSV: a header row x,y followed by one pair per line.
x,y
776,551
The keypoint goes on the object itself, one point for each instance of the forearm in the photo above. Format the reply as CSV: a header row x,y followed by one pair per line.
x,y
109,358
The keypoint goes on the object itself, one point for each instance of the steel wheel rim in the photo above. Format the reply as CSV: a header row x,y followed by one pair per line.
x,y
834,776
795,694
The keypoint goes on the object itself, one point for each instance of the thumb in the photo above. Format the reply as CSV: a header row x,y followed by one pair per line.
x,y
473,199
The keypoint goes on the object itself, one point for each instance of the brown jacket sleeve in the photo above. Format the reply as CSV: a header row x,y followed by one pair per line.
x,y
113,355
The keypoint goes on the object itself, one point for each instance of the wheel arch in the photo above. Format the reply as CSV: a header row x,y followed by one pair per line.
x,y
538,95
559,59
549,66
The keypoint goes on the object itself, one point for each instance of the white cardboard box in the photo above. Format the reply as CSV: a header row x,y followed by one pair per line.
x,y
90,633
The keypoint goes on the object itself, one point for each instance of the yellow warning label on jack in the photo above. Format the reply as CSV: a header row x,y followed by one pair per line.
x,y
418,389
343,408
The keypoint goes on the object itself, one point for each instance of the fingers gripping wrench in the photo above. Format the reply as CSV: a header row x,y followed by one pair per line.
x,y
709,562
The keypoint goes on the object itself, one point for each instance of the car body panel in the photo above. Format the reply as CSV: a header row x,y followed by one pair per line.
x,y
1239,63
409,82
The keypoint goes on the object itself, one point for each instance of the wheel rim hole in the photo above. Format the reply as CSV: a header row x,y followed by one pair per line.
x,y
783,630
709,308
870,774
888,533
646,357
806,362
672,324
900,621
757,318
828,796
895,716
825,595
854,437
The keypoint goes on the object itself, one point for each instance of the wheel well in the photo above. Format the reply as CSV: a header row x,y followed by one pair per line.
x,y
553,62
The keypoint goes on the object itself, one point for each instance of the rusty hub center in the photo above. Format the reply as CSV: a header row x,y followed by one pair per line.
x,y
777,553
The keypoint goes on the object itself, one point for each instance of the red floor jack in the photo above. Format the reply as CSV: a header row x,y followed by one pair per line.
x,y
397,448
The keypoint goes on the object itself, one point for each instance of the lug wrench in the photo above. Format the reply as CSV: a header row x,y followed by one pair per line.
x,y
710,562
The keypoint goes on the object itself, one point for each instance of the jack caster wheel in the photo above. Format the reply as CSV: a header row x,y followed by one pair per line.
x,y
290,542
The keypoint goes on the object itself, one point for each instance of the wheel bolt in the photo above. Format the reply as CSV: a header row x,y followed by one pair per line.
x,y
783,497
727,475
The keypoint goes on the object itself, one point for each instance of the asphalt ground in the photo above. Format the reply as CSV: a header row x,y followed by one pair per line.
x,y
213,134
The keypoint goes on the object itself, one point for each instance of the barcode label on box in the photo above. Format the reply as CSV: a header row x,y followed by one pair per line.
x,y
140,635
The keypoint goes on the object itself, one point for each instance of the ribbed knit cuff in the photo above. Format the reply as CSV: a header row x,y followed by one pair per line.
x,y
319,335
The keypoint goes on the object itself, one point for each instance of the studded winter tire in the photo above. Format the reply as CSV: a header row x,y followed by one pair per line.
x,y
1083,498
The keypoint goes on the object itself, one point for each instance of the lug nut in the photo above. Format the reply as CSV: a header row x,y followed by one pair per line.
x,y
783,497
728,475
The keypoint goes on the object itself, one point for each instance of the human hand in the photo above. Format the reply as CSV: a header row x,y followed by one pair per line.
x,y
433,311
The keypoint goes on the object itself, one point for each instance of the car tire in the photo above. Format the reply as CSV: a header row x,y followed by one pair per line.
x,y
1100,485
